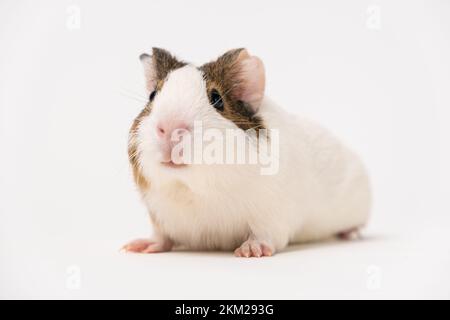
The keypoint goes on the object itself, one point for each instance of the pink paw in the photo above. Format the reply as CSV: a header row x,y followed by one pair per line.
x,y
254,248
147,246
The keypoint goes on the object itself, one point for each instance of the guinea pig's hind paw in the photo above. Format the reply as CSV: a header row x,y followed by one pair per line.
x,y
147,246
253,248
351,234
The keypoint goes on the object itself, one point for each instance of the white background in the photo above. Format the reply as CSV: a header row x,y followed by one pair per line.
x,y
377,73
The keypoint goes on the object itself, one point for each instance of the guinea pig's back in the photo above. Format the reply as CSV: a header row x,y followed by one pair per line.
x,y
327,179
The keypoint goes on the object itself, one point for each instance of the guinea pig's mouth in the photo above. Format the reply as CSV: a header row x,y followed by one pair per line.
x,y
171,164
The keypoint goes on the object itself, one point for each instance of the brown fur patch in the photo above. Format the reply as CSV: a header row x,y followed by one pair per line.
x,y
142,183
223,75
164,62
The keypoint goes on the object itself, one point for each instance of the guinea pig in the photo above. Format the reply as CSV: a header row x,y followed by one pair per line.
x,y
316,187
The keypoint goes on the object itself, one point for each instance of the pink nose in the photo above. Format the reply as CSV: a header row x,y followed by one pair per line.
x,y
166,130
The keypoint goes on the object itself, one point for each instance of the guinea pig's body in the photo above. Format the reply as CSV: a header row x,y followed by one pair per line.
x,y
320,188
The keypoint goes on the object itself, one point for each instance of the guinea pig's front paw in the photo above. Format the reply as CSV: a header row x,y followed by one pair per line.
x,y
148,246
254,248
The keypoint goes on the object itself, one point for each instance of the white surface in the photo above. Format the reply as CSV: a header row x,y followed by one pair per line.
x,y
67,99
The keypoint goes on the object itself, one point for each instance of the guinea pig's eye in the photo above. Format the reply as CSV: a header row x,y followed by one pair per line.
x,y
152,95
216,100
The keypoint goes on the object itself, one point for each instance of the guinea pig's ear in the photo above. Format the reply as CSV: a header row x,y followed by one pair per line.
x,y
158,65
149,71
251,79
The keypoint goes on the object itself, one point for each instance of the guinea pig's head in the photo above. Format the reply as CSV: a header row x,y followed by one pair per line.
x,y
222,94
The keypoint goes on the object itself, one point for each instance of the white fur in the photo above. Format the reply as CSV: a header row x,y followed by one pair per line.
x,y
321,188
